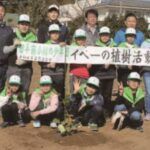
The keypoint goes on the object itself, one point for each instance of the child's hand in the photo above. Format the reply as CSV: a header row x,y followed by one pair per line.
x,y
62,44
21,106
40,92
89,66
17,42
82,106
130,67
124,112
76,85
107,66
51,65
120,88
9,93
35,114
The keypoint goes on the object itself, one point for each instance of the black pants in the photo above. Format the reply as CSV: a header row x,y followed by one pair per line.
x,y
106,91
3,70
90,114
47,118
10,114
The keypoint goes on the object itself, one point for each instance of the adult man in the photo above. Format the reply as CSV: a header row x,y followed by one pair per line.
x,y
5,31
16,66
91,27
130,21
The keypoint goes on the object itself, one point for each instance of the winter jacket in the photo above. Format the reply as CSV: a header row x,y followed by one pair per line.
x,y
83,97
46,103
29,37
90,37
43,34
133,102
120,37
5,32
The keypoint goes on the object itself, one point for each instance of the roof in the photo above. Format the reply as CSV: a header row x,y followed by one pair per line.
x,y
130,3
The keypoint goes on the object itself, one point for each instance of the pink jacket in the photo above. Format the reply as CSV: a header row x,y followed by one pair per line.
x,y
51,103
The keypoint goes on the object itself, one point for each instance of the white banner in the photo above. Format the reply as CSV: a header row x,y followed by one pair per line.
x,y
83,55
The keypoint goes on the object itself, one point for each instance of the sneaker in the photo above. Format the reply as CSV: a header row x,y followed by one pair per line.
x,y
36,124
93,126
4,124
21,123
140,129
53,125
147,117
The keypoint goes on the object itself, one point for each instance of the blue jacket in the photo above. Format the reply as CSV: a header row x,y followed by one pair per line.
x,y
120,37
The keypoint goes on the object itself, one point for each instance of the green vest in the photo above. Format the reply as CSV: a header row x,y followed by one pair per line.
x,y
74,44
20,97
124,44
3,92
30,37
44,97
111,43
48,42
128,95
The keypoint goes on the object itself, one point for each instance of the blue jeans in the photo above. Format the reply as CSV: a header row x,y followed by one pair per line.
x,y
146,77
134,116
120,107
3,70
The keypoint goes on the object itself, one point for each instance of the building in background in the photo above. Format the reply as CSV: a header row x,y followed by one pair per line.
x,y
106,8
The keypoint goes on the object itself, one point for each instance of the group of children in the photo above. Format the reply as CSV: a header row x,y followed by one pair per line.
x,y
91,85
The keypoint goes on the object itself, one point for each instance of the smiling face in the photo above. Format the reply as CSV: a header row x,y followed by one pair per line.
x,y
131,22
52,15
2,13
54,36
14,88
24,27
133,84
45,88
104,37
81,41
91,19
90,90
130,39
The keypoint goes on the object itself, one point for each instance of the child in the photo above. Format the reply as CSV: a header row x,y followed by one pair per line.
x,y
123,71
146,76
130,103
56,71
106,73
86,103
79,71
15,66
44,104
15,104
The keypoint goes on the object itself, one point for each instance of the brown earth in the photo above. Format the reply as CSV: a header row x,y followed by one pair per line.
x,y
29,138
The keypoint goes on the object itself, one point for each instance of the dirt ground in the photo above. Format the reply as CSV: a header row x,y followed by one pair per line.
x,y
44,138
